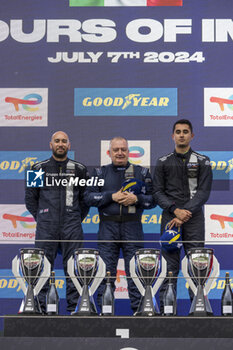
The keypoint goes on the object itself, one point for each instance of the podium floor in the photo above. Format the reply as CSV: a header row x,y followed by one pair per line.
x,y
116,333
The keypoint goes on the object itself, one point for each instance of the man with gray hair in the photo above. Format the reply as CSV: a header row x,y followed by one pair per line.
x,y
127,191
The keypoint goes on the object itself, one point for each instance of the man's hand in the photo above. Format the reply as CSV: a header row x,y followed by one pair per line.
x,y
182,214
129,199
124,198
175,222
118,196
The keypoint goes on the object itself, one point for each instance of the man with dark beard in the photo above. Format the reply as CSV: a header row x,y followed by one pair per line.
x,y
58,208
182,184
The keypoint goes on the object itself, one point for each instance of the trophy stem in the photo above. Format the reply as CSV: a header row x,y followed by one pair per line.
x,y
85,306
29,305
200,305
148,305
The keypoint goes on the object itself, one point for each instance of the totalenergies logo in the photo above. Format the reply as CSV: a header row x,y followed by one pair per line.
x,y
223,219
25,219
223,101
120,274
135,153
28,100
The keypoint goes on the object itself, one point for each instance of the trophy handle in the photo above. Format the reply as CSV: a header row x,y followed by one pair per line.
x,y
161,277
70,270
184,269
19,278
214,275
98,277
134,276
138,282
43,277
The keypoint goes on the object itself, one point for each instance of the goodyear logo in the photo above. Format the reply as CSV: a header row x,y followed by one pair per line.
x,y
10,288
222,164
125,102
215,291
14,163
151,220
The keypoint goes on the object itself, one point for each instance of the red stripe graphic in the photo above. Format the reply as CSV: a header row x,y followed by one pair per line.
x,y
164,2
221,219
15,218
221,101
17,101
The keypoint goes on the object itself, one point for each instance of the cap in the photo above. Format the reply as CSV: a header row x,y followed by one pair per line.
x,y
134,185
171,239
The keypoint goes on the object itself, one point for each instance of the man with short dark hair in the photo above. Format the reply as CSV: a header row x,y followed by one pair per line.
x,y
182,184
120,211
59,209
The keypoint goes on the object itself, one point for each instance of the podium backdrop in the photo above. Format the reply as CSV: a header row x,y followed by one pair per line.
x,y
99,69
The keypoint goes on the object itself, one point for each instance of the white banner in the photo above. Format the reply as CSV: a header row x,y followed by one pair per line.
x,y
218,104
121,291
16,225
139,152
24,107
219,224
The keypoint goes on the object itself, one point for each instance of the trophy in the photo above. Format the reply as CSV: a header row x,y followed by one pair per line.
x,y
86,270
144,269
33,267
196,268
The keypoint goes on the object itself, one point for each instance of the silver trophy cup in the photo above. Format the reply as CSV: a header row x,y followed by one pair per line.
x,y
144,270
197,268
33,267
87,270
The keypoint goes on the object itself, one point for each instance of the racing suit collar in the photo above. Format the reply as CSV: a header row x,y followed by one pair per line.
x,y
184,155
57,162
120,168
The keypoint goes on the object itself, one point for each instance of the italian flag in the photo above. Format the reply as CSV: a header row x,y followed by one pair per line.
x,y
84,3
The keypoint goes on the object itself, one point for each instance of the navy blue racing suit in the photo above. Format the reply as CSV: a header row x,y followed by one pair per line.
x,y
182,181
117,224
58,210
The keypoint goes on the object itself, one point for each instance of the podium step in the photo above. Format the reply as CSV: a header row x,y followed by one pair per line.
x,y
127,327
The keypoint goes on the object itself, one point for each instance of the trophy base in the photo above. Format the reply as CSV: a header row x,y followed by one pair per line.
x,y
84,313
201,314
31,313
200,306
146,314
86,305
32,309
148,306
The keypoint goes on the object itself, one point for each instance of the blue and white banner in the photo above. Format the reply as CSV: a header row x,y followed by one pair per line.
x,y
14,163
125,102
